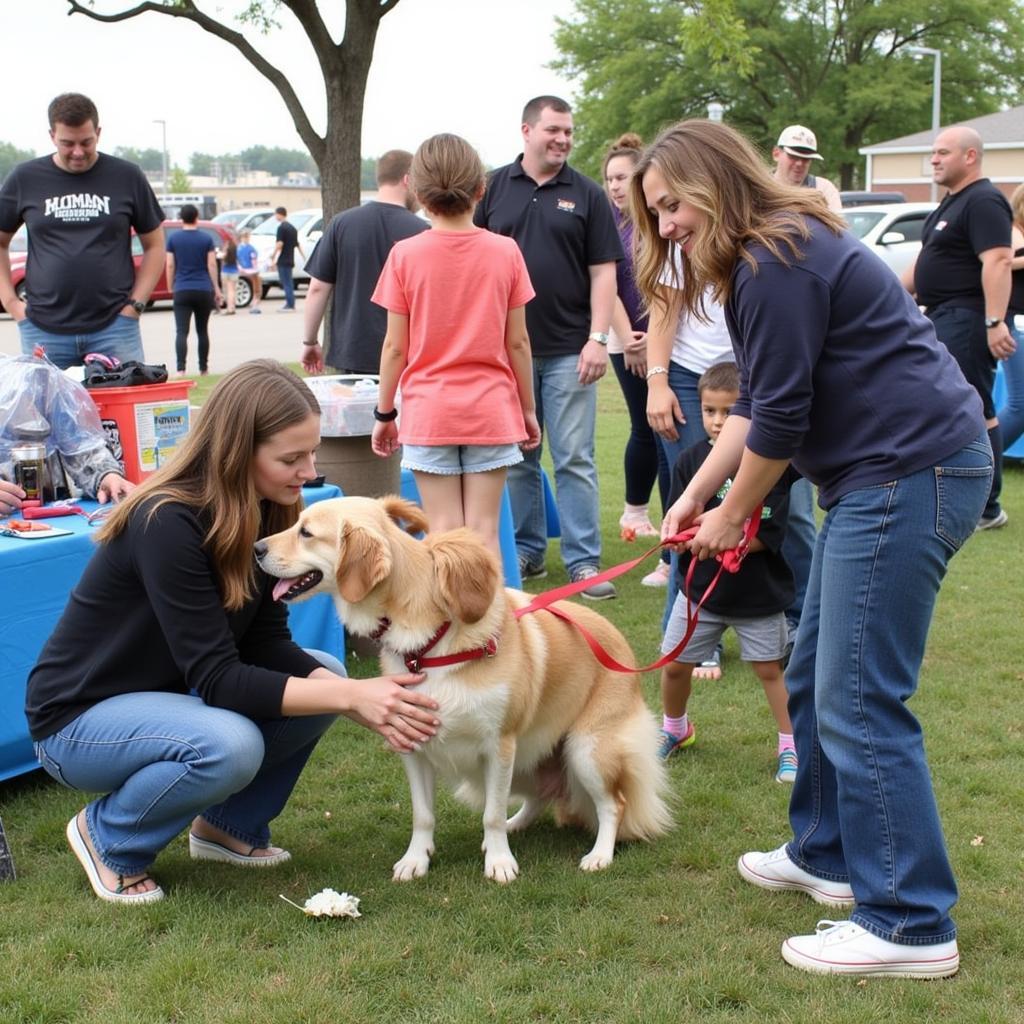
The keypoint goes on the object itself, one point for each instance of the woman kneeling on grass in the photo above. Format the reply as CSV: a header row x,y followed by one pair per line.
x,y
171,683
842,375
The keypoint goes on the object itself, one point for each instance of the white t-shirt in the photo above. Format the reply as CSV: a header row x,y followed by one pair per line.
x,y
698,345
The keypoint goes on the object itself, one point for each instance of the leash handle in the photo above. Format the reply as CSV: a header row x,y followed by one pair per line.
x,y
729,561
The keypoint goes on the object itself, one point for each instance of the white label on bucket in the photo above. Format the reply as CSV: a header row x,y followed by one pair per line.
x,y
159,426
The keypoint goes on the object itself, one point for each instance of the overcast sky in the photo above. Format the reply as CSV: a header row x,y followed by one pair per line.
x,y
465,66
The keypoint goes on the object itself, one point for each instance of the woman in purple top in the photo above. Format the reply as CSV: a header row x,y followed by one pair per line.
x,y
644,460
841,375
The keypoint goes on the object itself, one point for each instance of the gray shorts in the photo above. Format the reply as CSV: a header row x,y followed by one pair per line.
x,y
763,639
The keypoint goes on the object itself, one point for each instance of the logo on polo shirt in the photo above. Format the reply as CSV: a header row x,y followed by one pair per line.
x,y
941,225
567,205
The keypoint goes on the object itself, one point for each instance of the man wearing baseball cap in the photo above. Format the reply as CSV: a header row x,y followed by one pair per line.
x,y
793,153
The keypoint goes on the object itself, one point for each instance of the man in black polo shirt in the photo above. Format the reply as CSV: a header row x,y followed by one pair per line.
x,y
287,241
564,226
962,277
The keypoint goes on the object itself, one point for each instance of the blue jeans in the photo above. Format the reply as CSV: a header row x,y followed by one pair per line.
x,y
567,412
1011,415
862,807
163,758
122,339
285,276
798,545
683,383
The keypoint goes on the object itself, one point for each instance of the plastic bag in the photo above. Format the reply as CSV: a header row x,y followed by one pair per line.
x,y
39,403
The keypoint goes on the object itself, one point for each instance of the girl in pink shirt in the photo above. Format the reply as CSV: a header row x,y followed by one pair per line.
x,y
457,345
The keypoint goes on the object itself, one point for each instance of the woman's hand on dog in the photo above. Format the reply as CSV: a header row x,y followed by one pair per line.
x,y
404,717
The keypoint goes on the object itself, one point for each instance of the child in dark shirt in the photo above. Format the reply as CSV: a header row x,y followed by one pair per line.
x,y
752,601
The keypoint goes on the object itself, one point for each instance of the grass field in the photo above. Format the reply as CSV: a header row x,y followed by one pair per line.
x,y
669,933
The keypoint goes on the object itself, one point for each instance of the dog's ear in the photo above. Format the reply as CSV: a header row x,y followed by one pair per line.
x,y
406,514
467,573
364,559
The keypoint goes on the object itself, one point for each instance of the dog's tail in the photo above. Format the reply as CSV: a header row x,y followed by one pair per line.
x,y
643,785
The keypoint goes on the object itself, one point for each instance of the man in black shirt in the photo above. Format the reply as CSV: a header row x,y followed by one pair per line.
x,y
284,257
80,207
962,277
564,226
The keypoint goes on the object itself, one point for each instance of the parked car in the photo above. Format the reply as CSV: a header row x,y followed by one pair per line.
x,y
18,253
871,198
309,224
247,218
891,230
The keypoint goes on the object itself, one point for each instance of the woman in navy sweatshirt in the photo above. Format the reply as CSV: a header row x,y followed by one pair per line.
x,y
842,376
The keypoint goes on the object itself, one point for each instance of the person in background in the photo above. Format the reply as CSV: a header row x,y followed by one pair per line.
x,y
214,733
752,601
1011,415
894,439
284,257
457,343
563,224
38,401
80,207
644,460
229,276
249,268
192,277
962,276
793,153
346,265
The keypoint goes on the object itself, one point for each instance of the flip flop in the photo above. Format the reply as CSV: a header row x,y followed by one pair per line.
x,y
206,849
80,849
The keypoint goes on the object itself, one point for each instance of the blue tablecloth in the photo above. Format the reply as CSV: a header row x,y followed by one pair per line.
x,y
36,577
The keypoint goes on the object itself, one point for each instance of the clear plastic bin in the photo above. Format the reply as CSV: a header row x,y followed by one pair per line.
x,y
346,404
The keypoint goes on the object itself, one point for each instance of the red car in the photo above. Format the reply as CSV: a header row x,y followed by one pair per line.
x,y
220,234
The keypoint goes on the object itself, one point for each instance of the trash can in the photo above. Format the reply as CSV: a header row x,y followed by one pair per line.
x,y
346,423
144,424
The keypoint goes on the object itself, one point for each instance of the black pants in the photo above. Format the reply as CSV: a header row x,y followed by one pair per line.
x,y
186,303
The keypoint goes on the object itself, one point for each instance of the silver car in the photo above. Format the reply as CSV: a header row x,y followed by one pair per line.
x,y
890,230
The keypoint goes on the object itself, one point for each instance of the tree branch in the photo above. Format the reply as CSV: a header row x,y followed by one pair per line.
x,y
187,9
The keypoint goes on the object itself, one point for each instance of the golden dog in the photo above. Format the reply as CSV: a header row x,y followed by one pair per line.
x,y
530,713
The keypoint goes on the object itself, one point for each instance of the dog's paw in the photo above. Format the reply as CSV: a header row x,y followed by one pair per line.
x,y
411,866
502,869
595,862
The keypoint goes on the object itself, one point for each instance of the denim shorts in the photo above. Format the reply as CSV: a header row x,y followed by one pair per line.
x,y
761,639
457,459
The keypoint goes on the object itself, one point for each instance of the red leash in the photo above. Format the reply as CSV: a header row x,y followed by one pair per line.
x,y
730,561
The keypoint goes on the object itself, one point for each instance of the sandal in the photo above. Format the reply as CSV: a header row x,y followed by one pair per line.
x,y
207,849
81,850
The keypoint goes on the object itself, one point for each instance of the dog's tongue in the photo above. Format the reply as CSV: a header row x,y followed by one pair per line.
x,y
281,587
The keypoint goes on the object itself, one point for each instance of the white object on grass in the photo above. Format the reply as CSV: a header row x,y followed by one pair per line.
x,y
328,903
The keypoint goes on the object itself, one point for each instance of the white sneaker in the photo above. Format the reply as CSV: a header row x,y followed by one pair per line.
x,y
842,947
658,576
774,870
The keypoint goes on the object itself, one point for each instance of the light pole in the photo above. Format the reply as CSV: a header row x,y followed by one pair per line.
x,y
163,125
927,51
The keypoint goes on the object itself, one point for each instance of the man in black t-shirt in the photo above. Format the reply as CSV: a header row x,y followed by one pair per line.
x,y
962,277
80,207
563,223
346,263
284,257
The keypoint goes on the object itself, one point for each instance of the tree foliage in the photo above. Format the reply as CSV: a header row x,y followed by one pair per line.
x,y
839,66
276,160
10,156
344,67
147,159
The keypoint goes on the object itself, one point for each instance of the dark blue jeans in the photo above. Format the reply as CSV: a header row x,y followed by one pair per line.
x,y
862,807
285,276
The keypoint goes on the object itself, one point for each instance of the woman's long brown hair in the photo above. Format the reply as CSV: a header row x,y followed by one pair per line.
x,y
211,471
715,169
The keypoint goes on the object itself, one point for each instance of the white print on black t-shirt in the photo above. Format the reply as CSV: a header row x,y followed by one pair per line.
x,y
77,206
766,510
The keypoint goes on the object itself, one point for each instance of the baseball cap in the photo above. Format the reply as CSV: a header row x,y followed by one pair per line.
x,y
799,141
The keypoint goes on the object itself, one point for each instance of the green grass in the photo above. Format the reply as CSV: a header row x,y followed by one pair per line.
x,y
668,933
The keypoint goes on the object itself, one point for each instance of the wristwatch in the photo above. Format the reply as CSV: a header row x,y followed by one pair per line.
x,y
601,337
992,321
139,307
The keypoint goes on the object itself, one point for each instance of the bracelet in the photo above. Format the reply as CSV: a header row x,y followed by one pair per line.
x,y
653,370
384,417
310,344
